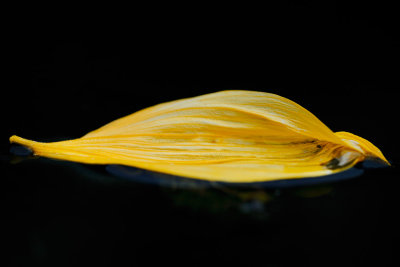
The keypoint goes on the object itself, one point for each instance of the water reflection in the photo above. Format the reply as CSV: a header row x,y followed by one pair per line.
x,y
251,199
166,180
258,200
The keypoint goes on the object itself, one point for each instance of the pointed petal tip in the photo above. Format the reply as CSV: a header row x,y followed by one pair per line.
x,y
14,139
22,141
387,162
364,146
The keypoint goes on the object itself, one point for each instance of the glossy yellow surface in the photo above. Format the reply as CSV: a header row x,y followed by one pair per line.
x,y
231,136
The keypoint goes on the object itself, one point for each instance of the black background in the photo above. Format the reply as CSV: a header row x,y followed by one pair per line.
x,y
69,70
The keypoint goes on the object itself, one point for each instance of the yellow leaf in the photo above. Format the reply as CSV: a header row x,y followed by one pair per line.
x,y
230,136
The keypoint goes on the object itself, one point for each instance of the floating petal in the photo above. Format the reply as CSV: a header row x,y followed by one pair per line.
x,y
229,136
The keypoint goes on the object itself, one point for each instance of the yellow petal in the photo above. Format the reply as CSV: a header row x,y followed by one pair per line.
x,y
231,136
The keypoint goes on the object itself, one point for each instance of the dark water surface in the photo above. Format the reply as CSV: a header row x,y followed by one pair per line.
x,y
58,213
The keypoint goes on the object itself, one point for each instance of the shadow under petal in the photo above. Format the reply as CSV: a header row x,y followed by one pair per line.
x,y
156,178
172,181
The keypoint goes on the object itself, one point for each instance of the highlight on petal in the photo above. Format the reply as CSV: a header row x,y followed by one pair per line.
x,y
231,136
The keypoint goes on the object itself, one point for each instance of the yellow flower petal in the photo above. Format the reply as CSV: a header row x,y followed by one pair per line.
x,y
231,136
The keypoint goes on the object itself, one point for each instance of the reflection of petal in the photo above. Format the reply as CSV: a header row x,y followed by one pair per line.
x,y
155,178
229,136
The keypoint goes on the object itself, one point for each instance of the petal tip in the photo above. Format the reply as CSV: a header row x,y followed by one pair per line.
x,y
22,141
364,146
